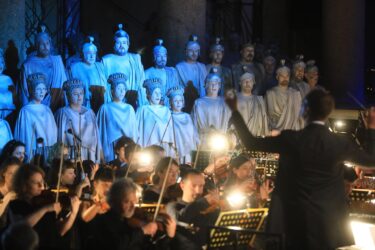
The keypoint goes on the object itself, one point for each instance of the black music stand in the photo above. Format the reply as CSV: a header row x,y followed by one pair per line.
x,y
231,228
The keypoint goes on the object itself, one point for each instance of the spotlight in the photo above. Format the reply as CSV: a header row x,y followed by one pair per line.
x,y
364,234
236,199
144,158
339,124
218,142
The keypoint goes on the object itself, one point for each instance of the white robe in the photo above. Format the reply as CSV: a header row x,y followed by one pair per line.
x,y
186,135
115,119
210,113
6,97
302,87
195,72
154,121
283,107
90,75
5,133
53,68
34,121
131,65
253,111
168,77
84,127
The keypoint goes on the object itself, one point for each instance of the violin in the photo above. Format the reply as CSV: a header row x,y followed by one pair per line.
x,y
49,196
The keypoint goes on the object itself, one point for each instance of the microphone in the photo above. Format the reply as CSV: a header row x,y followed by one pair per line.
x,y
70,131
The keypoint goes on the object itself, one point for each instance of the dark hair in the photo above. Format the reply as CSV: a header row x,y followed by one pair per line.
x,y
320,104
53,174
5,165
21,177
20,236
9,149
118,191
104,174
188,172
123,142
162,167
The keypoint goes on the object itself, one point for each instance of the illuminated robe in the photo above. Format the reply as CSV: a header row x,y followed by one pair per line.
x,y
36,121
53,68
195,72
186,135
131,65
6,96
115,119
283,108
97,91
210,113
154,121
168,77
84,127
5,133
253,111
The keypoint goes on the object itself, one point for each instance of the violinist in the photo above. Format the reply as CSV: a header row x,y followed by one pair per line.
x,y
97,204
28,183
152,193
122,149
190,209
243,179
7,170
112,230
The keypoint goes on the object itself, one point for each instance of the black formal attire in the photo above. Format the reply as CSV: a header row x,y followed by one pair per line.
x,y
309,203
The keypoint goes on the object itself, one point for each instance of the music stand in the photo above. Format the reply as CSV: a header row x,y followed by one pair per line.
x,y
149,208
235,220
204,157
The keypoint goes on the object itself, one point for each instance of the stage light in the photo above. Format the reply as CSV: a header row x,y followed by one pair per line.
x,y
236,199
349,164
364,234
339,124
218,142
144,158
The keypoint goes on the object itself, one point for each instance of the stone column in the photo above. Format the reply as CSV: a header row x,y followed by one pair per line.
x,y
343,48
12,28
178,20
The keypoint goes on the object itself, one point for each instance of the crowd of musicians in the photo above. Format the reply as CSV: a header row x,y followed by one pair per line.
x,y
126,180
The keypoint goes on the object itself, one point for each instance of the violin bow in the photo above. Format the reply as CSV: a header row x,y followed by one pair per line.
x,y
157,209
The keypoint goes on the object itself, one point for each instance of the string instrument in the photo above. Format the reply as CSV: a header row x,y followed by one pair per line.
x,y
49,196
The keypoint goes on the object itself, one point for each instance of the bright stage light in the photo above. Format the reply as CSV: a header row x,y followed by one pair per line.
x,y
339,124
364,234
236,199
218,142
144,158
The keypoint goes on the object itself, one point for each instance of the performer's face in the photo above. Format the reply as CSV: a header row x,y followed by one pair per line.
x,y
160,59
76,96
299,72
192,187
119,92
283,78
312,77
269,65
245,171
213,87
102,187
89,55
247,54
192,52
68,176
247,85
128,204
177,103
40,92
19,152
217,56
35,185
173,174
155,97
44,47
121,46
